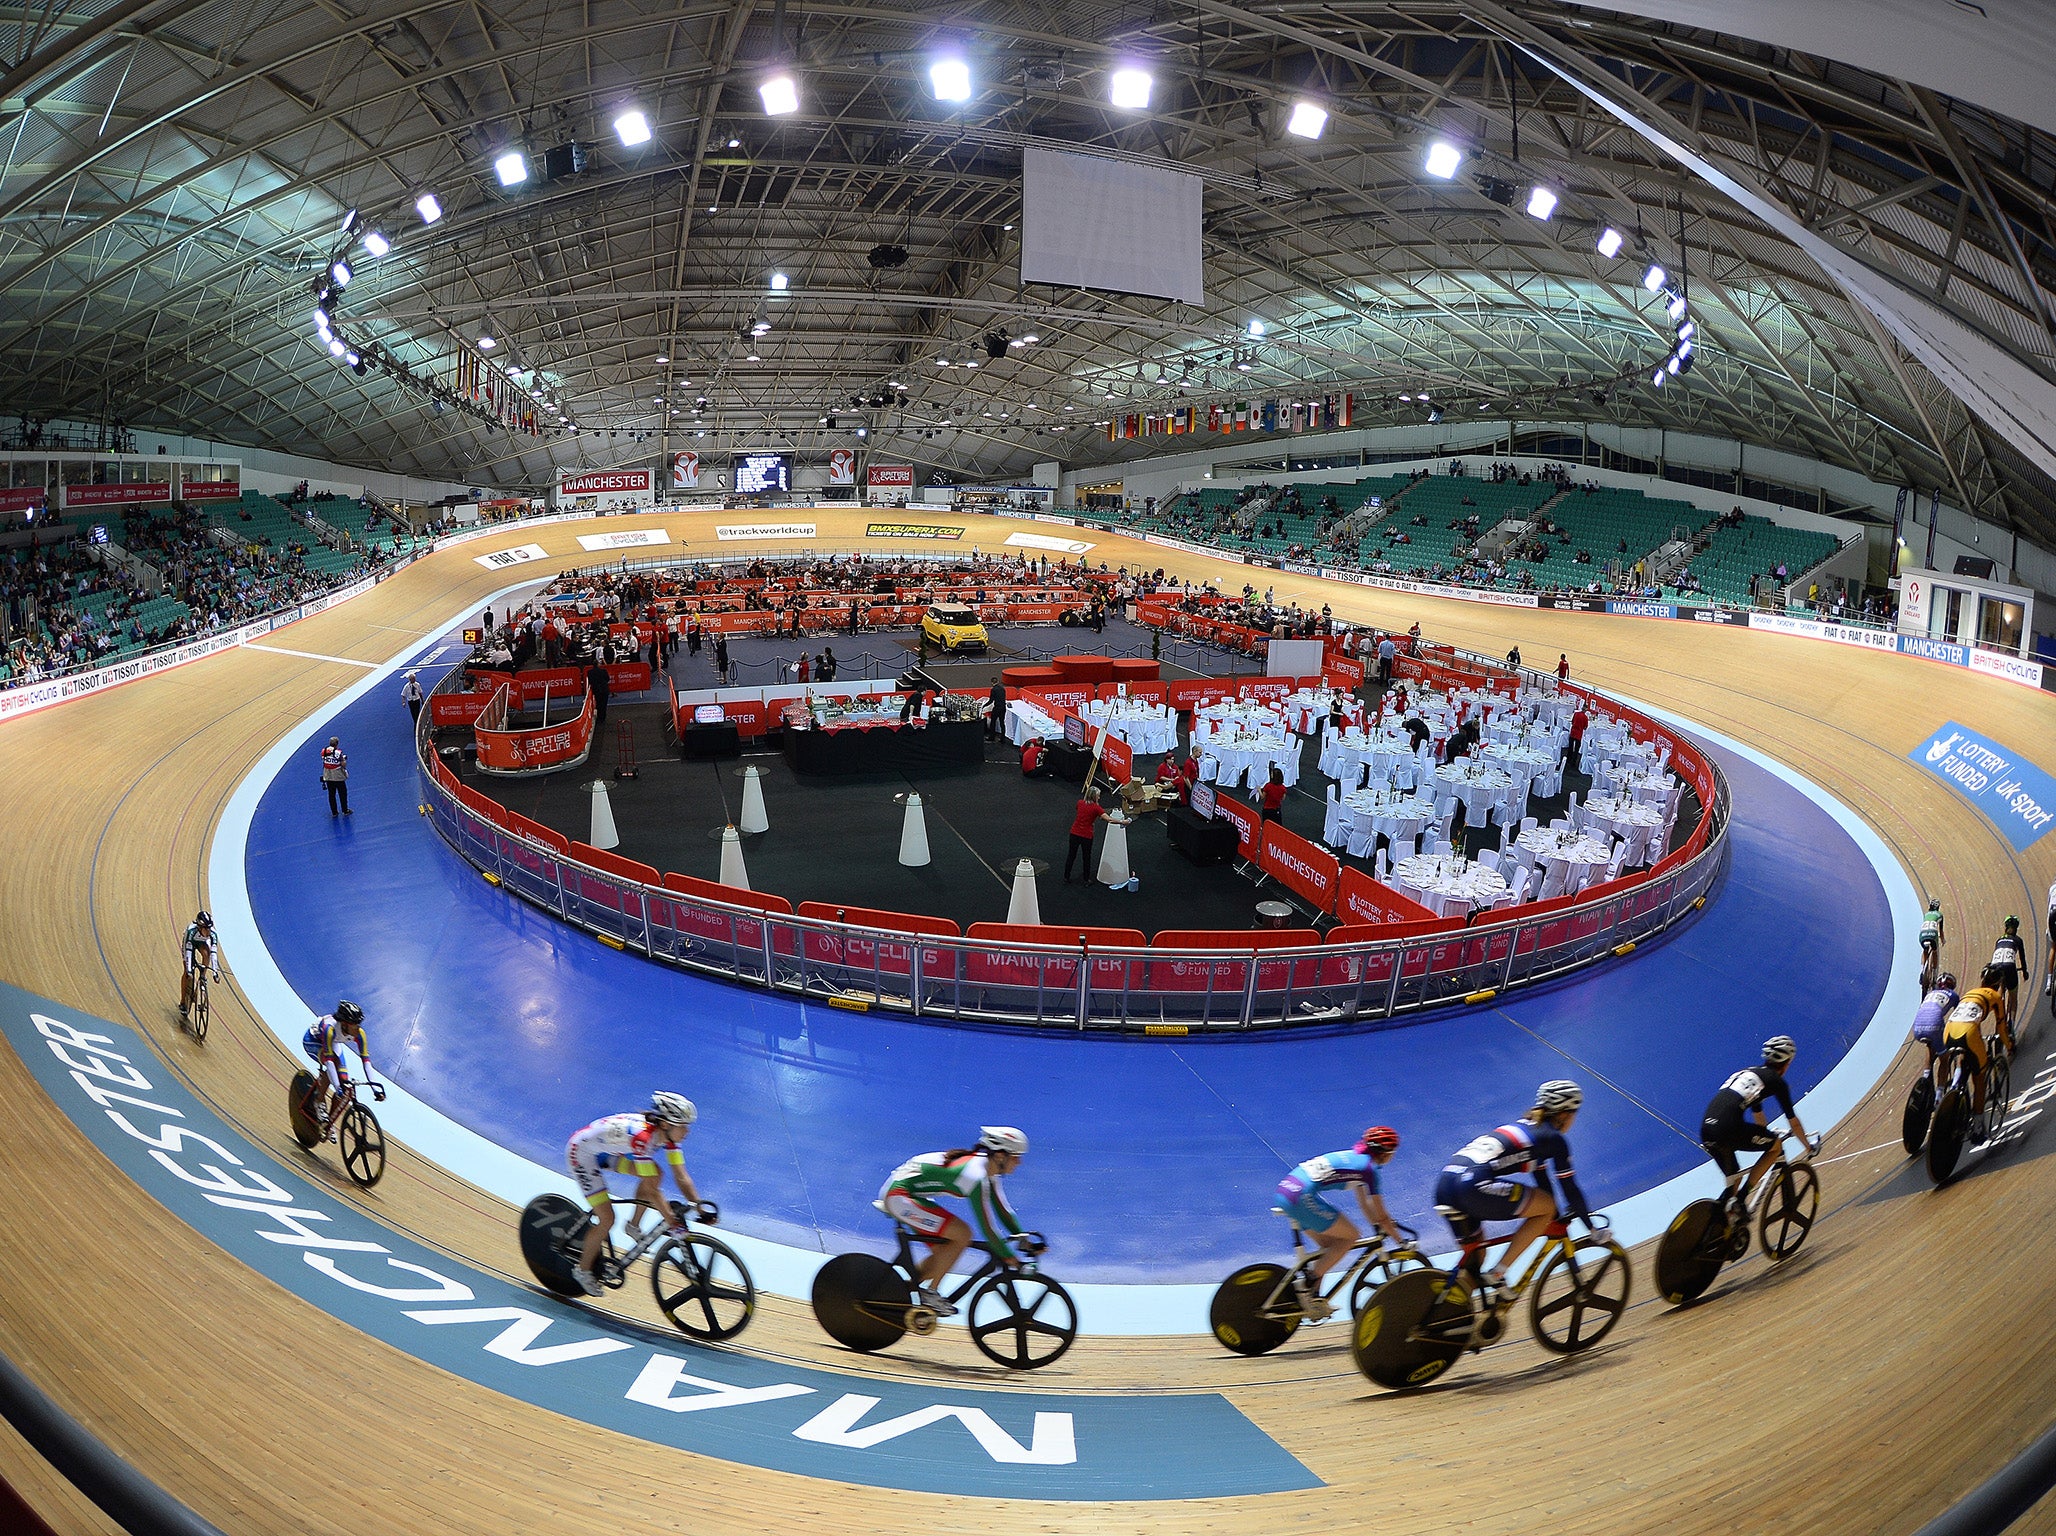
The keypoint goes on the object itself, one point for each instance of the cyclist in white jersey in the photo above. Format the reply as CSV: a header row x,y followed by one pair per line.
x,y
971,1174
629,1144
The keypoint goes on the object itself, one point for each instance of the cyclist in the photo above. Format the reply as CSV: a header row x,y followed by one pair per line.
x,y
1966,1026
323,1044
1931,937
972,1174
628,1143
2009,959
198,948
1477,1184
1299,1201
1729,1128
1935,1009
2049,976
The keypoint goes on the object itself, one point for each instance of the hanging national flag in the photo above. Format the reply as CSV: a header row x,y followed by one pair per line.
x,y
1348,410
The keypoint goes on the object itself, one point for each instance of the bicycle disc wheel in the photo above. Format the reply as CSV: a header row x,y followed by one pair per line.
x,y
1023,1322
1920,1109
305,1131
1998,1095
363,1146
1580,1294
1789,1208
1238,1314
551,1228
1689,1256
1383,1268
860,1301
1412,1329
1945,1136
703,1287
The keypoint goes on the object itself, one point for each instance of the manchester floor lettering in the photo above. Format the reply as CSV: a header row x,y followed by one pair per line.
x,y
606,1371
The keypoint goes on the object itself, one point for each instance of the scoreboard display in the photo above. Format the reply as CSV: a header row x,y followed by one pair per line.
x,y
756,473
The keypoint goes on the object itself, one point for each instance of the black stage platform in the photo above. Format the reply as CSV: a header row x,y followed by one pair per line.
x,y
837,839
937,746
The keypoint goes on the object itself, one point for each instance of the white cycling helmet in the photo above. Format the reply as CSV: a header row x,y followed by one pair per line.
x,y
674,1108
1002,1138
1779,1049
1559,1096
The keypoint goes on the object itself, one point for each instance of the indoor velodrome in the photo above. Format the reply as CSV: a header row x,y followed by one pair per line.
x,y
574,586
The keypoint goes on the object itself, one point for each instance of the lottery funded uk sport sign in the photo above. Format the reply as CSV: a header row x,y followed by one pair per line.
x,y
2015,796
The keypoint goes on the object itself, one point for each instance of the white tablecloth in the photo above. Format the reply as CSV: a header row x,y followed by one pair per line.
x,y
1147,728
1362,816
1484,790
1389,754
1240,758
1580,855
1636,821
1448,885
1024,721
1308,712
1239,715
1536,770
1653,785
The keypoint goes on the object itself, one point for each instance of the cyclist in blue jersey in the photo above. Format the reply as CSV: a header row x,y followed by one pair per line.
x,y
1477,1185
1299,1201
1934,1013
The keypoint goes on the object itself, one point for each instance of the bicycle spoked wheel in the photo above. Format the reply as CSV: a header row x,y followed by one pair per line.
x,y
363,1146
1579,1295
703,1287
1998,1095
1412,1329
203,1005
1945,1136
1789,1208
1383,1268
1243,1316
1920,1109
1691,1252
1023,1322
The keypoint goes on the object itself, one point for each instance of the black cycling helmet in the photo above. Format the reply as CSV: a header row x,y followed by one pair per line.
x,y
1946,982
1934,903
2012,923
203,919
349,1013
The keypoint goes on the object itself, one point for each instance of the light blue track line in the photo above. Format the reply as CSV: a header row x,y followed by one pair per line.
x,y
1130,1310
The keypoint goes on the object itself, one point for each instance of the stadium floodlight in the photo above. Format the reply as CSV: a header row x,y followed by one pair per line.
x,y
1672,365
1307,120
1688,329
376,243
1676,306
781,95
1656,378
1684,349
1030,340
1129,89
486,343
1654,278
429,207
335,346
511,168
943,362
950,78
632,127
340,271
1256,327
1443,159
1541,202
780,282
320,318
1610,242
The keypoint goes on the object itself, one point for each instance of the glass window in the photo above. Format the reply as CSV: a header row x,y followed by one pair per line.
x,y
1999,622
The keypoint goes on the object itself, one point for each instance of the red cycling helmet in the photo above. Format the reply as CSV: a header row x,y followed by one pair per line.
x,y
1379,1138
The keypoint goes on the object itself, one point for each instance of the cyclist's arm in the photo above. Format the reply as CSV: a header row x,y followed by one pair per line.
x,y
1784,1098
996,1219
676,1157
1375,1212
1573,1201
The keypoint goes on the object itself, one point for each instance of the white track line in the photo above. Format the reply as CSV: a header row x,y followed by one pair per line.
x,y
341,661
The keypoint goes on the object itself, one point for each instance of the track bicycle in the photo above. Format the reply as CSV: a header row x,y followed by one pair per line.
x,y
1018,1317
357,1133
1709,1233
195,1021
1260,1306
1955,1121
1415,1326
699,1282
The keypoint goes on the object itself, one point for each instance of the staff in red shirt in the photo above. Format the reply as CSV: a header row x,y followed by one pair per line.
x,y
1576,738
1033,760
1089,811
1273,798
1170,779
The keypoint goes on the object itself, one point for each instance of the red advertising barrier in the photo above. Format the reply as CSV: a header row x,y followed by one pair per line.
x,y
1340,672
1117,758
1303,969
1365,901
1373,933
737,623
1060,699
752,717
628,676
1269,689
457,708
556,682
1248,828
613,864
1152,692
732,895
1001,967
549,837
1033,613
877,951
1307,870
1189,693
531,751
875,917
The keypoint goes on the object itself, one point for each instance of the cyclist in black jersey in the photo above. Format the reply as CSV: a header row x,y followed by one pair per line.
x,y
1477,1186
2009,959
1735,1120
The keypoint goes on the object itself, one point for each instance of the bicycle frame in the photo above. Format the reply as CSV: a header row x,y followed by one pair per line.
x,y
905,1260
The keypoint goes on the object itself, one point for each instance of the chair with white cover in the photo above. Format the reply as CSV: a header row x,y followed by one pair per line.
x,y
1363,837
1331,824
1209,767
1443,848
1383,865
1552,883
1523,877
1527,825
1613,865
1489,857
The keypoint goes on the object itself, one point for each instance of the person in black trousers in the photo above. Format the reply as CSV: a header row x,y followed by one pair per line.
x,y
596,679
996,720
1089,811
721,656
335,776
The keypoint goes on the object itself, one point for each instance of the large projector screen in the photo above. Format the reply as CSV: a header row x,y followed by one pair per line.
x,y
1091,222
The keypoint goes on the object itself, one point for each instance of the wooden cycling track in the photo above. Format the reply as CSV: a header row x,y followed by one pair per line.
x,y
1894,1365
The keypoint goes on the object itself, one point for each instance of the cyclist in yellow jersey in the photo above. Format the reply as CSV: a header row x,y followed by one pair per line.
x,y
1966,1024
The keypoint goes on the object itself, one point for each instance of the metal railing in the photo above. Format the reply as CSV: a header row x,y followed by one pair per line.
x,y
1138,989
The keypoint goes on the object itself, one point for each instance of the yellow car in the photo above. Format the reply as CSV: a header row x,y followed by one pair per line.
x,y
954,628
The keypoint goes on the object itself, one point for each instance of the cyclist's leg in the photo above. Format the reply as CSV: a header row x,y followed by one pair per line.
x,y
185,985
1974,1042
332,1078
1766,1141
1536,1213
1723,1155
602,1207
946,1234
1332,1233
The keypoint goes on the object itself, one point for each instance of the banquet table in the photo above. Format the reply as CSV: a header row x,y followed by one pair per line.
x,y
1148,728
1239,715
1400,815
1025,721
1483,789
1637,821
1448,884
1389,754
1577,853
1653,785
1535,770
1239,758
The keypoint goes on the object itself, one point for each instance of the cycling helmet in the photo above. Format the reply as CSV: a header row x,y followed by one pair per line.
x,y
674,1108
349,1013
1779,1049
2012,923
1946,982
203,919
1559,1096
1002,1138
1379,1138
1934,903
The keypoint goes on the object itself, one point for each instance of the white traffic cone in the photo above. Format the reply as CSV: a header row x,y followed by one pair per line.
x,y
753,818
914,834
604,835
732,872
1024,906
